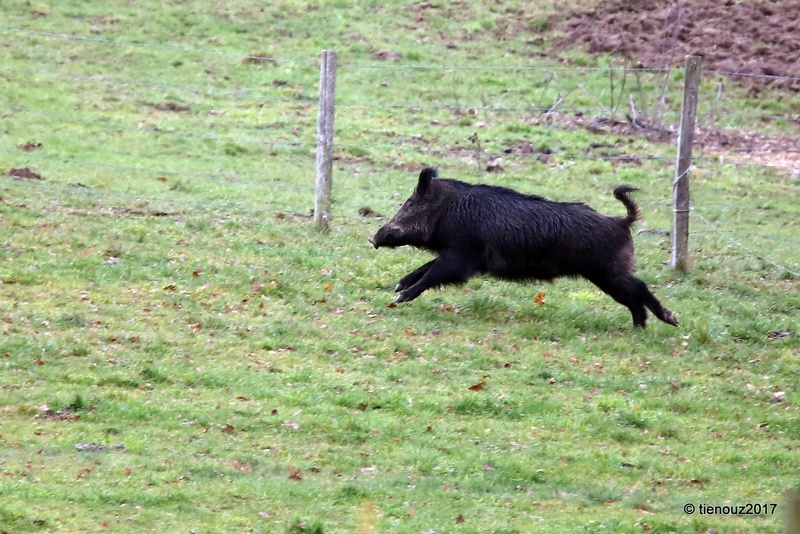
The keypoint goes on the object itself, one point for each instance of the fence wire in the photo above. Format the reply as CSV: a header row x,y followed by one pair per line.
x,y
363,108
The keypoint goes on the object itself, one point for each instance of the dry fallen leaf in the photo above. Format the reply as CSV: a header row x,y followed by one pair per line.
x,y
24,173
479,386
30,145
385,55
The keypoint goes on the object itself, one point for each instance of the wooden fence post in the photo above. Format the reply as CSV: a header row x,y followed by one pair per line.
x,y
324,184
680,186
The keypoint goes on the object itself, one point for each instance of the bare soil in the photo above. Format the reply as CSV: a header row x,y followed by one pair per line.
x,y
754,43
740,38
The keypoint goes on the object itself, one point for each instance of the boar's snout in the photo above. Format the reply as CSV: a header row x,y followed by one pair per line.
x,y
386,236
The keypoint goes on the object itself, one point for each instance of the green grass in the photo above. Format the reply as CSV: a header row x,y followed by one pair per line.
x,y
163,288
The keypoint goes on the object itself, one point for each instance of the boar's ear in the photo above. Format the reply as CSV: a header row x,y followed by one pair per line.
x,y
425,178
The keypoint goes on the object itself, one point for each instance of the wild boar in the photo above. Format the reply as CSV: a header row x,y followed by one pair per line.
x,y
487,229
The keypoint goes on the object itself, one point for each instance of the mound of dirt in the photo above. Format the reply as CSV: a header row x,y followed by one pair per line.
x,y
745,38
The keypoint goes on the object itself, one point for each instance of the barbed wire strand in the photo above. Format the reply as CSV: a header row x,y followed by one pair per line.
x,y
169,48
753,75
184,89
503,152
307,99
158,172
203,205
743,247
186,49
311,99
407,106
158,131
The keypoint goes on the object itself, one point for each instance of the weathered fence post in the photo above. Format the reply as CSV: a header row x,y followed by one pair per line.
x,y
327,93
680,186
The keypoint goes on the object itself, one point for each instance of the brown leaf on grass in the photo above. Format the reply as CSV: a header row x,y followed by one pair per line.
x,y
295,474
539,298
24,173
170,106
30,145
366,211
327,287
239,466
392,305
197,272
479,386
460,519
227,428
385,55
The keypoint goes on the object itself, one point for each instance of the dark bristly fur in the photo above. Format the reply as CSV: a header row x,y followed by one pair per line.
x,y
486,229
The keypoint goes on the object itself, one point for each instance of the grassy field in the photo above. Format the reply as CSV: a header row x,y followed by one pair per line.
x,y
182,351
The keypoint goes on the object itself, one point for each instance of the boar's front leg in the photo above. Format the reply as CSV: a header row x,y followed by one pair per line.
x,y
448,268
413,277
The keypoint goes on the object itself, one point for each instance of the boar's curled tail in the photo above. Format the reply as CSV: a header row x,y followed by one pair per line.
x,y
621,194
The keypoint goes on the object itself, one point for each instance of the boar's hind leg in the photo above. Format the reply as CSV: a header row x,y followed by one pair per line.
x,y
626,291
413,277
655,306
444,270
635,295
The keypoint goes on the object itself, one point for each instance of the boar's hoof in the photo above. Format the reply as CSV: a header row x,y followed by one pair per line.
x,y
399,287
405,296
670,318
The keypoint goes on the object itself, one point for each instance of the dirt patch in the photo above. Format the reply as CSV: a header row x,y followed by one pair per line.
x,y
743,38
755,42
740,146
